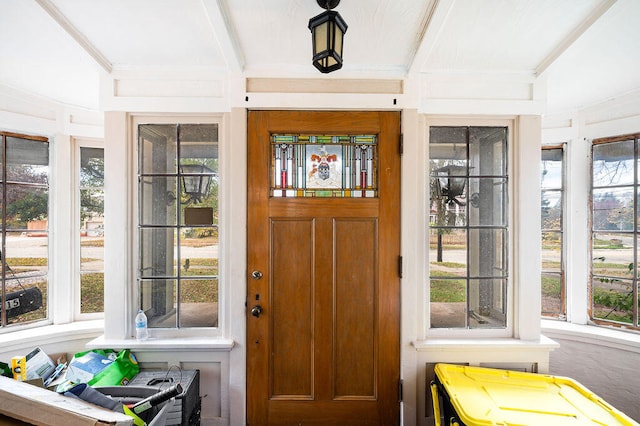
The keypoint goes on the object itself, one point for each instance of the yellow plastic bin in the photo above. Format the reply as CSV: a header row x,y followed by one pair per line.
x,y
474,396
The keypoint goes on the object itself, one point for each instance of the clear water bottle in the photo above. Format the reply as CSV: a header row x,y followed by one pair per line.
x,y
141,326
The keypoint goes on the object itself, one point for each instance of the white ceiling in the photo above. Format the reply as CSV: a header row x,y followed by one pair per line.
x,y
587,50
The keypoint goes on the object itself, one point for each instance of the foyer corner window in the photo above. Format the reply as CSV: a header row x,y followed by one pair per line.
x,y
24,189
178,224
614,236
552,213
468,244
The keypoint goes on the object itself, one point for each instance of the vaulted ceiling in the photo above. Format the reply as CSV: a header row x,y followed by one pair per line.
x,y
586,51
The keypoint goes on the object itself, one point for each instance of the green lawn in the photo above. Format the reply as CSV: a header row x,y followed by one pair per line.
x,y
92,285
447,290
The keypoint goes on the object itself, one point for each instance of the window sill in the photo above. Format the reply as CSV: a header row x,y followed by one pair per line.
x,y
171,344
39,336
593,334
489,344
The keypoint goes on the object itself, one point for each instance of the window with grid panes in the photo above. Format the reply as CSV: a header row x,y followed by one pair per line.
x,y
614,231
24,193
469,232
178,224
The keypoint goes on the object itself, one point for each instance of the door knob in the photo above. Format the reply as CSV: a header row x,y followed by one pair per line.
x,y
256,311
256,275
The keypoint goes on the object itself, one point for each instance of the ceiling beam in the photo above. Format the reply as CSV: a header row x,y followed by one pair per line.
x,y
224,33
430,30
573,36
79,37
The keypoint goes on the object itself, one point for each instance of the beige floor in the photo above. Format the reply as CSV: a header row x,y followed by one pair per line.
x,y
610,373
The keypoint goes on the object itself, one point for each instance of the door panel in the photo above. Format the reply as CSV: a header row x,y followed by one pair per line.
x,y
291,303
325,347
355,308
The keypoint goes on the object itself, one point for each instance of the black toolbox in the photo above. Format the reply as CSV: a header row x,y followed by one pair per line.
x,y
187,406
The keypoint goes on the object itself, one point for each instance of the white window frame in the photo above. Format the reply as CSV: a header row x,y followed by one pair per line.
x,y
508,331
78,143
132,188
635,185
51,287
564,230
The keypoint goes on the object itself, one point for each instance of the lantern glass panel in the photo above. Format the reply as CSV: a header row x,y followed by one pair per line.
x,y
321,38
338,40
191,184
456,186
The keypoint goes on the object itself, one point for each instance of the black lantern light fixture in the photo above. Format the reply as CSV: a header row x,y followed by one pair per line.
x,y
451,182
327,30
196,179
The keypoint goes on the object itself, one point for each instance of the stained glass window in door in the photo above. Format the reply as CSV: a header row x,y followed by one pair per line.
x,y
324,166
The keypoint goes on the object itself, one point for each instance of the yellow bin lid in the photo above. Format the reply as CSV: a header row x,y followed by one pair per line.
x,y
487,396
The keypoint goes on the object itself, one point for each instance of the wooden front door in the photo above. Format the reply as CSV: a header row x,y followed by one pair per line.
x,y
323,299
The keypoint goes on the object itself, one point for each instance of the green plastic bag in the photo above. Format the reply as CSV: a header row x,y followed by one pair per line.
x,y
119,373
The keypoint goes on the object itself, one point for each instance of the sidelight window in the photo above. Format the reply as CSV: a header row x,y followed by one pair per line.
x,y
469,234
178,224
